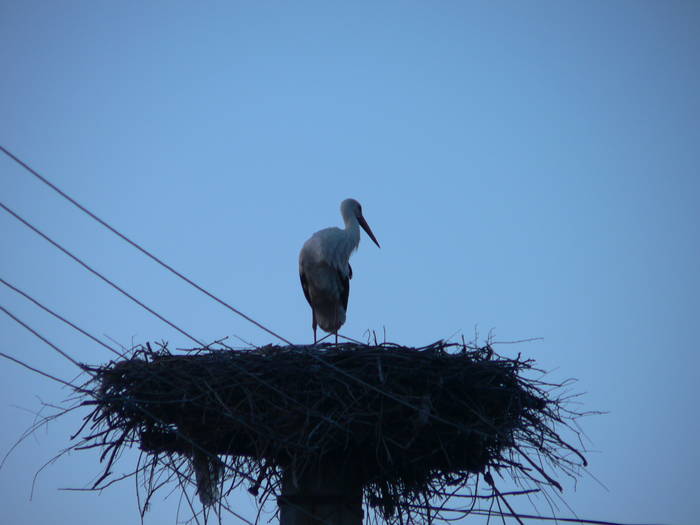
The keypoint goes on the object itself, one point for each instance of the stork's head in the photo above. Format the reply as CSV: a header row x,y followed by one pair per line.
x,y
350,209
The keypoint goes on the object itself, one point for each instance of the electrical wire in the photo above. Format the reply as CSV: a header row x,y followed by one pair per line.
x,y
57,349
58,316
98,274
41,372
136,245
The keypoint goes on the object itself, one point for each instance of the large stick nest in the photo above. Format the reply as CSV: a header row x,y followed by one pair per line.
x,y
407,424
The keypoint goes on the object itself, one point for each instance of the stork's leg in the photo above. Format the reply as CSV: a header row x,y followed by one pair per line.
x,y
313,325
336,338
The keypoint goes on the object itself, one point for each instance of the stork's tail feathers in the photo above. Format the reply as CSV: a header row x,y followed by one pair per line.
x,y
207,472
331,319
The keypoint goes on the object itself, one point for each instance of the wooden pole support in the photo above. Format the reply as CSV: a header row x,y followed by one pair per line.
x,y
320,498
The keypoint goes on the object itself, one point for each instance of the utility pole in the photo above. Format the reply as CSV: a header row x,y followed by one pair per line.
x,y
320,497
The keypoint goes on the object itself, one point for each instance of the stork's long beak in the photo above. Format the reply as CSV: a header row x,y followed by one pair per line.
x,y
367,229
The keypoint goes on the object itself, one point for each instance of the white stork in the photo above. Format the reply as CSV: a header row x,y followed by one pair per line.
x,y
325,271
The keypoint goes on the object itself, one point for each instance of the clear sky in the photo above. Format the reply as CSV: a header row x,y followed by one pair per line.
x,y
528,167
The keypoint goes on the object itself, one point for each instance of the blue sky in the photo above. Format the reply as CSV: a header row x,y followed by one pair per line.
x,y
531,168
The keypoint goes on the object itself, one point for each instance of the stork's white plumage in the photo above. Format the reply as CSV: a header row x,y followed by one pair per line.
x,y
324,268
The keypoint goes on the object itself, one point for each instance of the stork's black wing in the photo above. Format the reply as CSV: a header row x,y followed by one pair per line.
x,y
344,288
305,287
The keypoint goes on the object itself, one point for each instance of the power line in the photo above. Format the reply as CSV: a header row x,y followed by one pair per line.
x,y
487,512
98,274
58,316
136,245
57,349
40,372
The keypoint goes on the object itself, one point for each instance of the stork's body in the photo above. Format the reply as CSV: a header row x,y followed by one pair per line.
x,y
324,268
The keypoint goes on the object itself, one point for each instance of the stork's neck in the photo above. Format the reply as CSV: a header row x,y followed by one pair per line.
x,y
352,230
